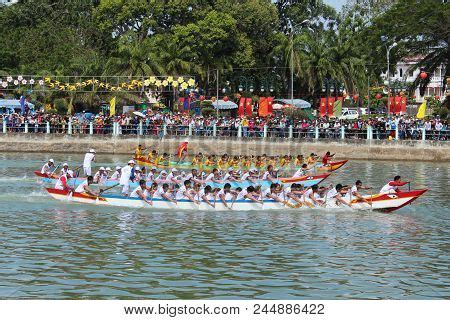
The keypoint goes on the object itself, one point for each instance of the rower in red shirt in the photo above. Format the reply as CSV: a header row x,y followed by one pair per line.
x,y
327,157
393,186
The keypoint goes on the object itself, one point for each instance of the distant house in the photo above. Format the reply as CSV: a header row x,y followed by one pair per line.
x,y
406,72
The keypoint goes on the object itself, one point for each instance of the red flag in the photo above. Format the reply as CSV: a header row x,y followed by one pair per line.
x,y
263,109
330,106
323,107
270,106
241,109
248,107
403,105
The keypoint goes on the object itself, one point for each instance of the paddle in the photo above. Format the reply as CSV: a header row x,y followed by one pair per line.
x,y
97,201
55,170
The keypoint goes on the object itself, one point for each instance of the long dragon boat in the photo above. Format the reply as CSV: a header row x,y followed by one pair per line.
x,y
381,202
142,161
306,181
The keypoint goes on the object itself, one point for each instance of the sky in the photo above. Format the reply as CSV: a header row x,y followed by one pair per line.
x,y
336,3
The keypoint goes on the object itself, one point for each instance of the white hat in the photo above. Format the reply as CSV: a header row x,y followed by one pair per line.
x,y
137,168
108,169
153,168
92,151
163,172
70,173
102,168
65,164
118,167
230,169
174,170
51,160
131,161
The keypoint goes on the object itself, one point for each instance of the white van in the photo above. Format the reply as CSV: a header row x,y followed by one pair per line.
x,y
349,114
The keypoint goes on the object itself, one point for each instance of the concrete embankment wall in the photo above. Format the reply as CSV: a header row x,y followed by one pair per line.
x,y
349,149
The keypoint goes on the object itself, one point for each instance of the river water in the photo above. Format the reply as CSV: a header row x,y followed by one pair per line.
x,y
55,250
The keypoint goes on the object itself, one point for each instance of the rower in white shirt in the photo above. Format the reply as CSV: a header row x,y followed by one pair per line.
x,y
84,187
248,194
161,178
172,177
100,176
269,174
335,194
141,192
206,195
353,193
185,192
151,175
301,172
163,192
229,176
65,168
226,194
214,176
89,157
116,174
48,167
311,196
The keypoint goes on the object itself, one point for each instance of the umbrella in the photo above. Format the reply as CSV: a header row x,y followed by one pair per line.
x,y
140,114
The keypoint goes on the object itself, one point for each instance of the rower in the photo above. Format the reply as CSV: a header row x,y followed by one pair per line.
x,y
125,177
48,167
89,157
84,187
354,191
136,174
335,194
249,176
214,176
62,183
161,178
100,176
311,160
248,194
152,156
205,195
225,194
141,192
185,192
138,152
116,174
294,192
327,157
303,171
172,177
229,176
393,186
269,174
65,168
298,161
163,193
273,193
193,176
151,175
107,172
312,195
144,173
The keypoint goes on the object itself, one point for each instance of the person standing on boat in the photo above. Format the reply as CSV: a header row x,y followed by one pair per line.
x,y
84,187
141,192
116,174
125,177
89,157
48,167
327,157
62,183
393,186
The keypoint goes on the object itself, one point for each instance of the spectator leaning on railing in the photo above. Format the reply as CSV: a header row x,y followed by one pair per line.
x,y
276,126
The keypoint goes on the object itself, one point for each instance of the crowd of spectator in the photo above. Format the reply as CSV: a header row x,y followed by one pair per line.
x,y
159,124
